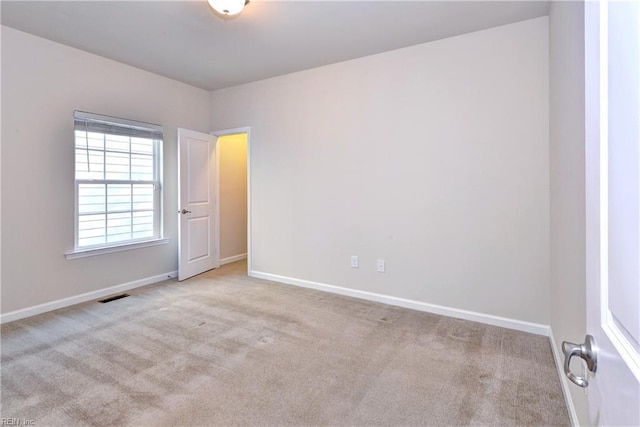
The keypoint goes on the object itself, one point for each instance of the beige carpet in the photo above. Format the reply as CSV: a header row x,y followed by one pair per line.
x,y
223,349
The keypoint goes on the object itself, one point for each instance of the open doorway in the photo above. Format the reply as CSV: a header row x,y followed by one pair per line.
x,y
233,160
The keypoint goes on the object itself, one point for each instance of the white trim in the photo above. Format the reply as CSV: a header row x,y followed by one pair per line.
x,y
236,131
216,204
519,325
83,253
229,260
77,299
559,362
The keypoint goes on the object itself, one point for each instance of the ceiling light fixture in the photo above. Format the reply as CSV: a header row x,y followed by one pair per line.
x,y
228,7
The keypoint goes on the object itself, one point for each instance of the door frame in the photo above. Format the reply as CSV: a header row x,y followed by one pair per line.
x,y
234,131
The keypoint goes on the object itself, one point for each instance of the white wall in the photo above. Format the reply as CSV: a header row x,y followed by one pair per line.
x,y
42,84
433,157
232,154
567,169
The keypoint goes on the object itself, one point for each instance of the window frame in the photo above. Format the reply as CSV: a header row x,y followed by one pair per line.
x,y
109,247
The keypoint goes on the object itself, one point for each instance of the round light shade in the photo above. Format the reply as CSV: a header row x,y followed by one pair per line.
x,y
227,7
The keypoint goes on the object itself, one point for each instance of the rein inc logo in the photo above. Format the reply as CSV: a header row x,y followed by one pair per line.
x,y
15,421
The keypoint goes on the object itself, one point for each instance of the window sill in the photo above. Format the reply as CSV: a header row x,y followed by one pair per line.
x,y
83,253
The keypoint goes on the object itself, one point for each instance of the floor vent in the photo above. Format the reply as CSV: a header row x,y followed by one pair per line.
x,y
113,298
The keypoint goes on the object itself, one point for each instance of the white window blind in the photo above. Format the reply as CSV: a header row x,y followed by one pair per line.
x,y
117,181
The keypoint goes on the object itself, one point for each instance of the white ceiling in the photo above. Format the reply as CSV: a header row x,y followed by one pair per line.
x,y
183,40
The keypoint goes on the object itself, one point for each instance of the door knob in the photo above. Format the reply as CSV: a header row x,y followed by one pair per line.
x,y
184,211
586,352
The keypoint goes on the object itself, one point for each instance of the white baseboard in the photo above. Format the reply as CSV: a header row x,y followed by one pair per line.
x,y
77,299
564,382
519,325
231,259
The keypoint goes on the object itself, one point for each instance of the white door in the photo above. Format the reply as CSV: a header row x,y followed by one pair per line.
x,y
613,209
197,248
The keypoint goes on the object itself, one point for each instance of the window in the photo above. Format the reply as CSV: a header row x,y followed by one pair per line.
x,y
117,181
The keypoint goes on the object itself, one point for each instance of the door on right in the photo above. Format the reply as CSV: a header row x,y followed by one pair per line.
x,y
612,49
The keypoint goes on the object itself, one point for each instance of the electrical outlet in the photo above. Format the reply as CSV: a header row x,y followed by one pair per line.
x,y
380,266
354,261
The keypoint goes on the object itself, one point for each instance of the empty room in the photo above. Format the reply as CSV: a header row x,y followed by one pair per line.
x,y
320,213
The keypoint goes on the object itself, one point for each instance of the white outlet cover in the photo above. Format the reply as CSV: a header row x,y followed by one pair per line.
x,y
380,265
354,261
